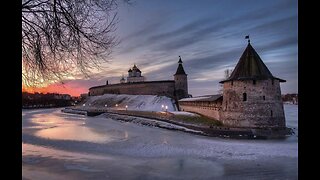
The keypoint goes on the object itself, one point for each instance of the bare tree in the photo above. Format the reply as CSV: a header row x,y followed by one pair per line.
x,y
63,37
227,74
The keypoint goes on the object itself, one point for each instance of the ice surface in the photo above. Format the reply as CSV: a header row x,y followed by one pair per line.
x,y
126,150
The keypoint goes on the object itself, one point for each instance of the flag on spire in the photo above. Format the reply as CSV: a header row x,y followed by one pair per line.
x,y
247,37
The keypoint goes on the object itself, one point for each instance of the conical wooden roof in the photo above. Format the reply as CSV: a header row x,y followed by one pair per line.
x,y
251,67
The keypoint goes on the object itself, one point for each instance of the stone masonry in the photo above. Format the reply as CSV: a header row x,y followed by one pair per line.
x,y
249,104
163,88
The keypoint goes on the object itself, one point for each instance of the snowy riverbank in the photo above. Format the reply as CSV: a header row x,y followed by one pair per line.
x,y
194,123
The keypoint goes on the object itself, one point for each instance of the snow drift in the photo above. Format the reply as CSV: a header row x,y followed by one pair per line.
x,y
133,102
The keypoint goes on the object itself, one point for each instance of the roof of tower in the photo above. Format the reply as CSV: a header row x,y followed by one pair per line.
x,y
136,68
130,70
250,67
180,69
180,61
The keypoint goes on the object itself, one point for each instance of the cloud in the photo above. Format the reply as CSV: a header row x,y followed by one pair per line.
x,y
182,35
182,30
153,37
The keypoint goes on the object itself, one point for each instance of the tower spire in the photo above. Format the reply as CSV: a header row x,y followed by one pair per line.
x,y
180,69
180,61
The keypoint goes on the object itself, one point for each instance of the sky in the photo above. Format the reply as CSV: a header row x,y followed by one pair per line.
x,y
209,35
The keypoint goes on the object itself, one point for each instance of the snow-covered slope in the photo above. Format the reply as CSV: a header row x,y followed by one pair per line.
x,y
134,102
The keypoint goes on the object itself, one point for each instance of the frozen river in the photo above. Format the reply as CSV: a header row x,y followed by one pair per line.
x,y
56,145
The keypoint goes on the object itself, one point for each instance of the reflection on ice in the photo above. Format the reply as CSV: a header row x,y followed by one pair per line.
x,y
57,125
66,146
75,133
81,133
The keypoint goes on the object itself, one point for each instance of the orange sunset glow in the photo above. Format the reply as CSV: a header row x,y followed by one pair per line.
x,y
56,88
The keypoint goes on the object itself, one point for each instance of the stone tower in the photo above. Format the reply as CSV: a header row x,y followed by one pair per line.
x,y
252,95
181,81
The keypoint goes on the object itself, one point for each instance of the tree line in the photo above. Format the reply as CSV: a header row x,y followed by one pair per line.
x,y
40,100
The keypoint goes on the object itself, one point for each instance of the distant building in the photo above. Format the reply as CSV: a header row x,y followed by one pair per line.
x,y
290,98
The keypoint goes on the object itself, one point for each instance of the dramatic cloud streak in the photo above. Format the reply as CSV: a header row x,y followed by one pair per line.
x,y
209,35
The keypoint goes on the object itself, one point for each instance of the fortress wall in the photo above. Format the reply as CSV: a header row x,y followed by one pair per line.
x,y
163,88
206,108
263,107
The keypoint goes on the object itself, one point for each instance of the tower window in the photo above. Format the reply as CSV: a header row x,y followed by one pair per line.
x,y
264,97
244,96
271,113
254,82
272,81
231,83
